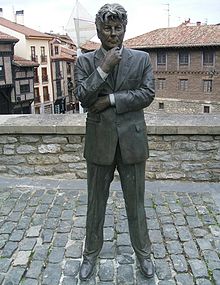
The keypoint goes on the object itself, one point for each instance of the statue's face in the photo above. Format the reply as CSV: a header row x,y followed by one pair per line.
x,y
111,34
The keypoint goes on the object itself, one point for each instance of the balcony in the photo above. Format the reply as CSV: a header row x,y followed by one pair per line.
x,y
36,79
34,58
43,59
37,99
46,97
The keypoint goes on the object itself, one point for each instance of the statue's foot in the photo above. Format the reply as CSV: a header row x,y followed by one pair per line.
x,y
146,267
86,269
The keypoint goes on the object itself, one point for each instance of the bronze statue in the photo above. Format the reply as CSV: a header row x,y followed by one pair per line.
x,y
115,84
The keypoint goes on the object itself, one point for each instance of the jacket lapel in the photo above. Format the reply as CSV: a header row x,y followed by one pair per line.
x,y
123,68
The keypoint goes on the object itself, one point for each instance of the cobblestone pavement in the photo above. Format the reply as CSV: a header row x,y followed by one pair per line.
x,y
42,230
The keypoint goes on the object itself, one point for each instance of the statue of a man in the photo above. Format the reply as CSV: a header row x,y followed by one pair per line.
x,y
115,84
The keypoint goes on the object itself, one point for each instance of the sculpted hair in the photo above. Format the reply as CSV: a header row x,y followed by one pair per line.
x,y
111,12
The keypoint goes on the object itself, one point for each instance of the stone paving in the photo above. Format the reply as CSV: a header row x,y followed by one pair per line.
x,y
42,231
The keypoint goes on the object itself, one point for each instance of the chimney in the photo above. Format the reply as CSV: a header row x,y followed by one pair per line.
x,y
198,23
1,12
19,17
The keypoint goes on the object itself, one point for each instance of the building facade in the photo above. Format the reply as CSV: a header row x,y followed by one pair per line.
x,y
34,46
186,63
16,79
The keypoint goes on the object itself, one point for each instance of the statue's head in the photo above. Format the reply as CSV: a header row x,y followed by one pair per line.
x,y
111,21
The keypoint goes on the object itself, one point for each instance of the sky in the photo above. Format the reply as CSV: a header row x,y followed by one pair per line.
x,y
143,15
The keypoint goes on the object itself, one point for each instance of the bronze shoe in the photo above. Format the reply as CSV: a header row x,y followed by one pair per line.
x,y
146,267
86,269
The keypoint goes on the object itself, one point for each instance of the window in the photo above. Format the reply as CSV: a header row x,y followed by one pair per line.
x,y
44,74
161,58
206,109
207,86
36,78
36,95
59,91
43,56
208,58
161,83
46,94
56,50
51,49
33,54
183,84
24,88
2,74
161,106
183,58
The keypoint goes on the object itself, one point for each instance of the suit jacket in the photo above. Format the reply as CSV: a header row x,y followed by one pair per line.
x,y
124,123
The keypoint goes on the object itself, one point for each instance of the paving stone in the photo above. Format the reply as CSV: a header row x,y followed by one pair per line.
x,y
34,231
184,278
41,252
108,250
78,233
203,282
55,212
190,211
37,220
191,249
155,236
162,210
179,263
67,215
216,277
14,276
80,222
22,258
109,234
125,275
159,250
106,271
204,244
56,255
47,235
24,223
17,235
125,259
52,274
151,213
215,230
28,244
70,281
184,233
199,268
74,250
51,223
34,270
153,224
1,278
9,249
174,247
167,282
123,239
166,219
109,221
169,232
179,219
64,227
175,208
212,259
4,265
60,240
14,217
199,233
42,209
30,282
194,222
71,267
7,228
162,269
124,250
122,227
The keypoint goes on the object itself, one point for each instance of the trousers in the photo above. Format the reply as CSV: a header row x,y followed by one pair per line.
x,y
99,178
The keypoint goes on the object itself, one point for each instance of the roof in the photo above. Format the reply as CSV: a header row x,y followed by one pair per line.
x,y
181,36
7,38
89,45
65,54
28,32
20,61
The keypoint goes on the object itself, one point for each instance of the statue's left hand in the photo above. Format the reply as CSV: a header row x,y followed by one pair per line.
x,y
100,105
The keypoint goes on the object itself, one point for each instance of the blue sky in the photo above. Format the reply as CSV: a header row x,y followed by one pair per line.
x,y
143,15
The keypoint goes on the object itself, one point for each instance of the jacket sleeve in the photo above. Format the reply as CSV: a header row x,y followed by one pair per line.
x,y
88,81
137,96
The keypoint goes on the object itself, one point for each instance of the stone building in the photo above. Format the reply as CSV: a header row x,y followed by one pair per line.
x,y
34,46
186,63
16,79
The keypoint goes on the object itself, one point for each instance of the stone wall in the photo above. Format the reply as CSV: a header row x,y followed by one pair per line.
x,y
181,147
